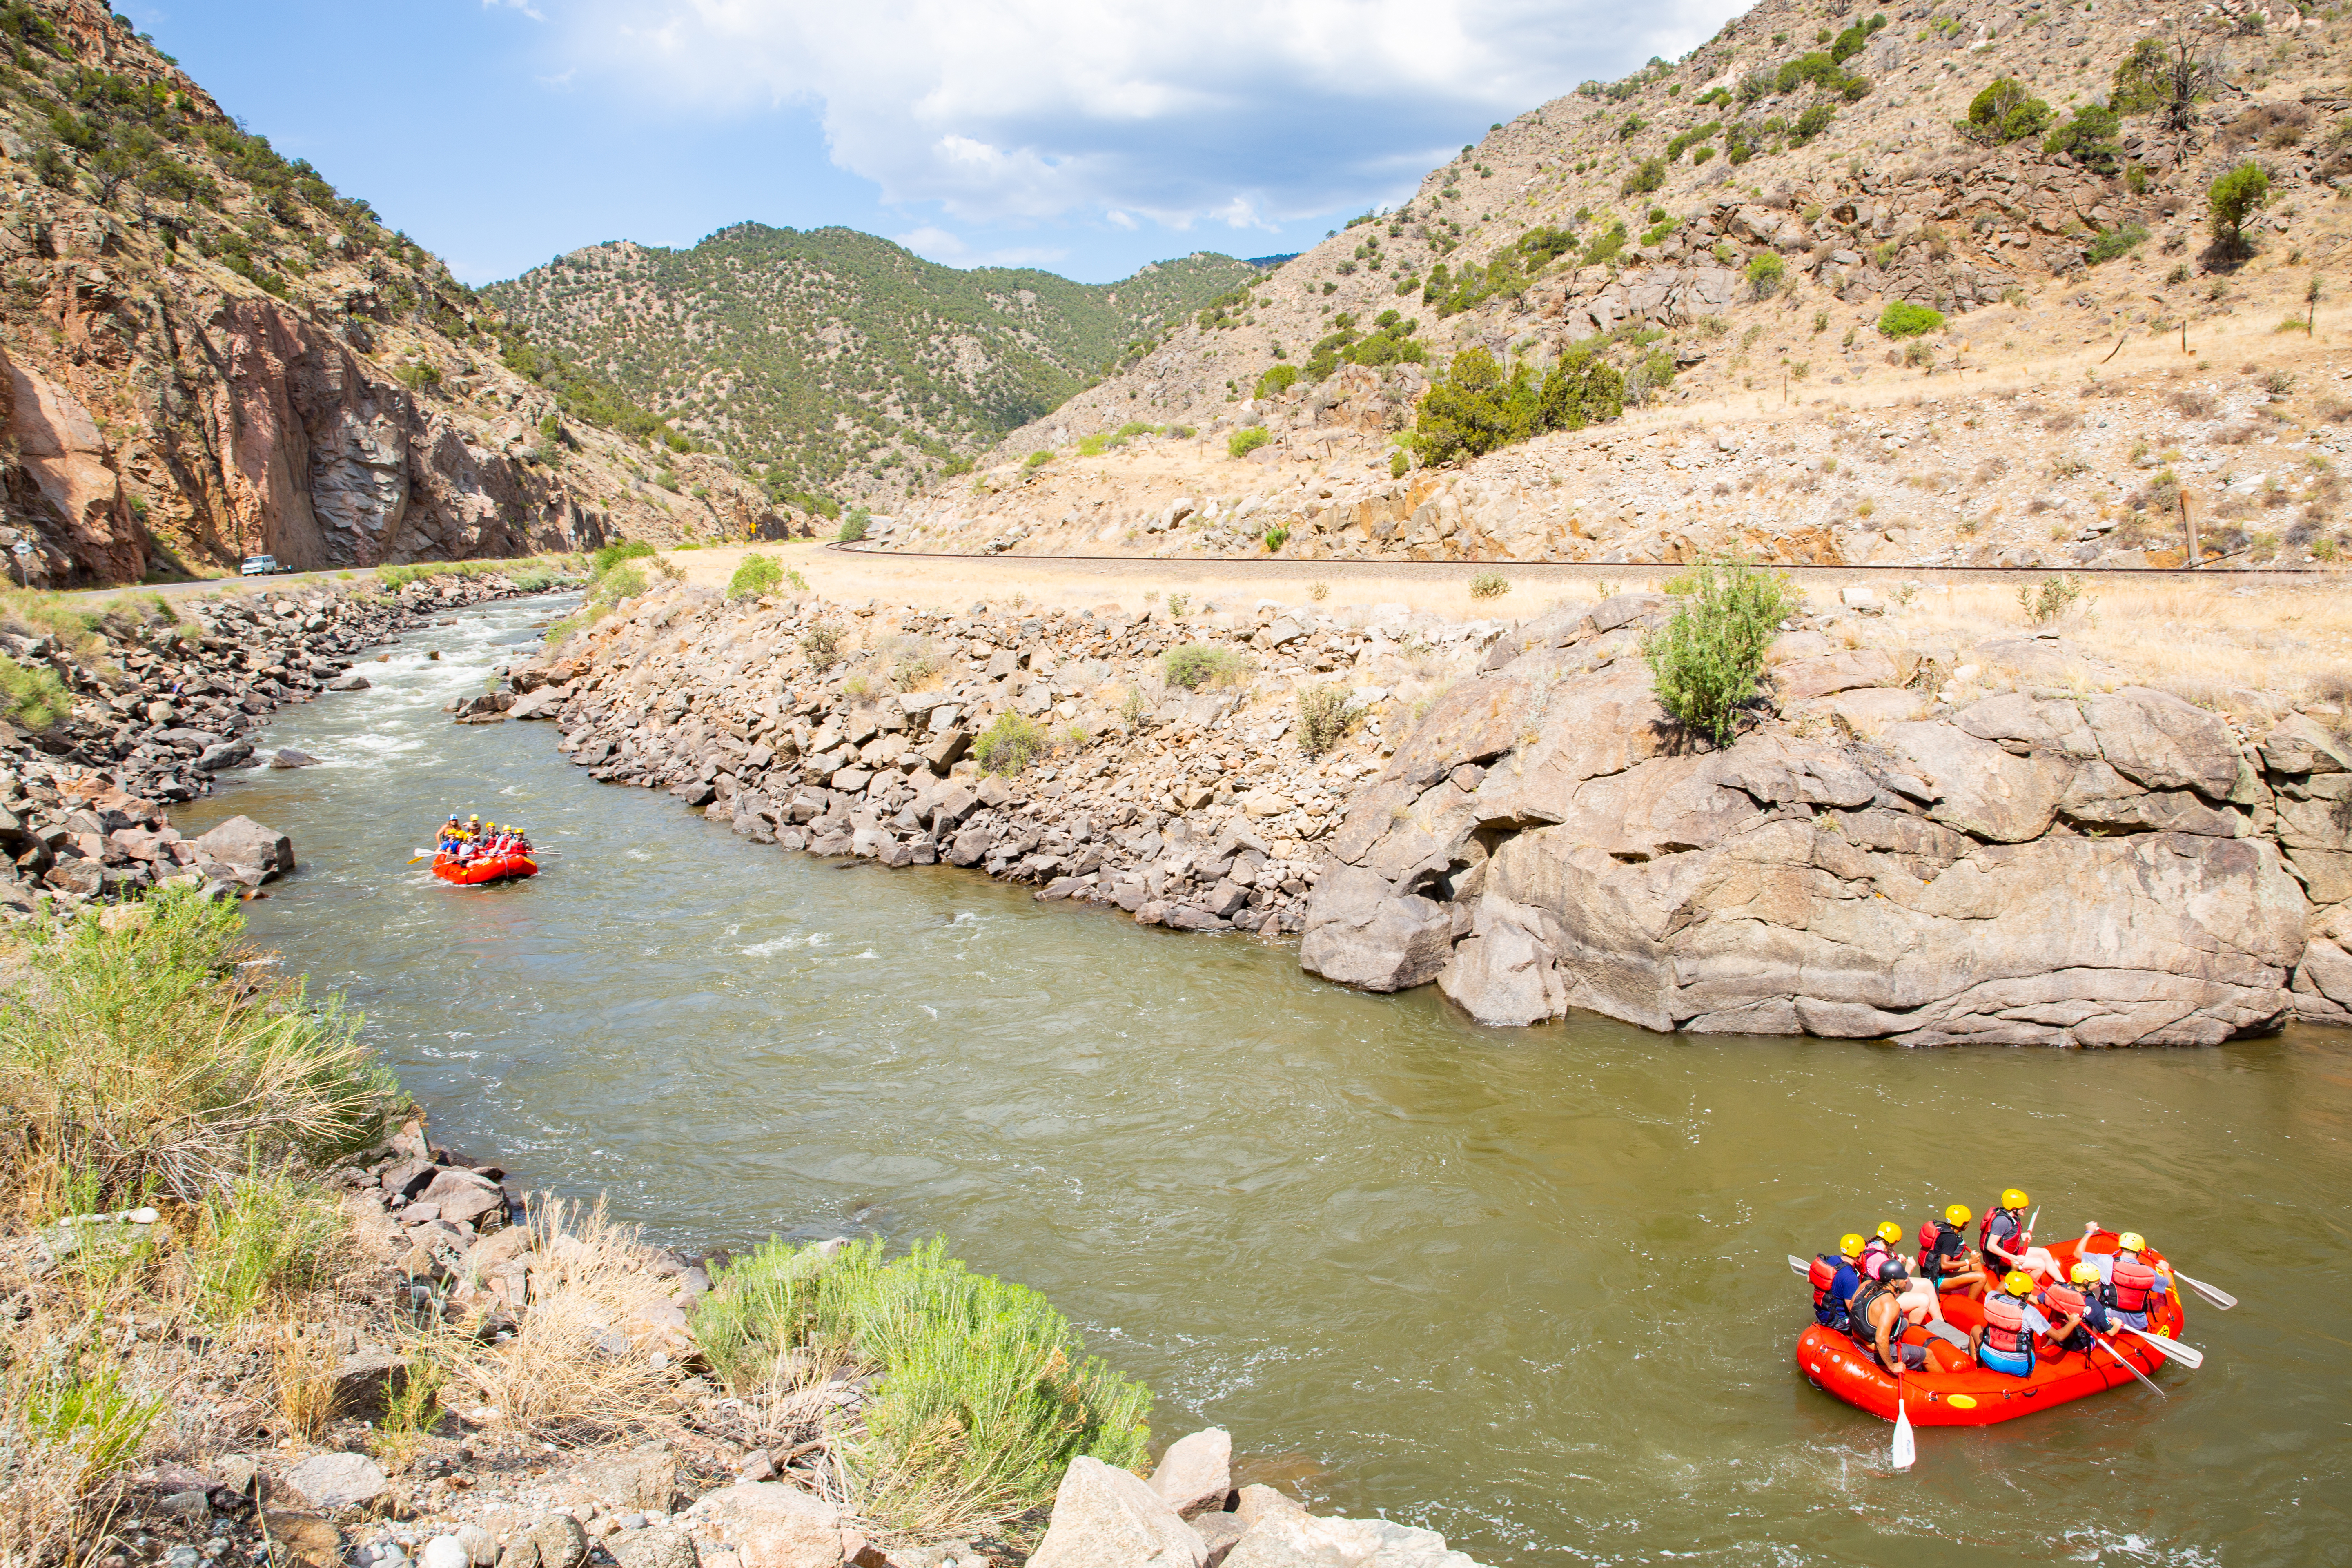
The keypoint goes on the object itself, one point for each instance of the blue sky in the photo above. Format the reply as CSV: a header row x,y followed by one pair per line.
x,y
1086,136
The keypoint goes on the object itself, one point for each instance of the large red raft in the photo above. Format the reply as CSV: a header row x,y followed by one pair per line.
x,y
1974,1397
491,869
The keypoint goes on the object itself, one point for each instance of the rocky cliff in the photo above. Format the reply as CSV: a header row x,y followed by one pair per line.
x,y
2045,866
211,353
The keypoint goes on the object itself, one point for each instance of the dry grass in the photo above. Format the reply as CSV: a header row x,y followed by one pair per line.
x,y
570,1369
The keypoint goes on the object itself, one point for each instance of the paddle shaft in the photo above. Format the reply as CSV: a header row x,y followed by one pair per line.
x,y
2214,1294
2170,1349
2127,1366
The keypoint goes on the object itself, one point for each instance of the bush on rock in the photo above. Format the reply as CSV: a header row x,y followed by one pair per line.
x,y
1705,662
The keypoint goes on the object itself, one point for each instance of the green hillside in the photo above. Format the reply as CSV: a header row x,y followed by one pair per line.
x,y
835,363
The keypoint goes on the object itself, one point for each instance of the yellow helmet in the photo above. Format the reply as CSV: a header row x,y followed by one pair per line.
x,y
1957,1215
1850,1245
2013,1199
2132,1241
2018,1283
2084,1274
1890,1233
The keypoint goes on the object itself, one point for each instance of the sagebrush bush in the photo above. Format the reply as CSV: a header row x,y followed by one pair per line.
x,y
141,1061
756,574
854,526
1705,662
2005,112
34,696
265,1234
982,1392
1195,665
1009,744
1902,318
1477,409
1323,718
1489,586
822,643
1242,443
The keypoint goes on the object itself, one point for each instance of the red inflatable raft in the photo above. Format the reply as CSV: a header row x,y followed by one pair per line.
x,y
1973,1395
495,868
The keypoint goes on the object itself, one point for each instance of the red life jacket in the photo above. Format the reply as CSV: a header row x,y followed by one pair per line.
x,y
2065,1300
2131,1282
2005,1329
1822,1274
1930,1232
1984,1236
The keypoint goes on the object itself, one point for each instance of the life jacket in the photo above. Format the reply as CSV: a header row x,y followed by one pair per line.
x,y
2129,1285
1858,1312
1984,1236
1874,1254
2065,1301
1931,1262
2005,1329
1822,1275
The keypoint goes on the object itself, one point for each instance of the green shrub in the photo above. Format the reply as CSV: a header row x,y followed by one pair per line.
x,y
1902,318
145,1061
2003,112
2233,199
1323,718
2050,599
266,1233
1489,586
1706,660
1647,177
92,1414
757,574
1849,43
1040,457
1009,744
1475,409
34,696
418,374
2115,242
1276,538
1276,381
621,583
612,555
1766,273
1605,247
1399,464
854,525
1242,443
2093,138
1195,665
1812,123
982,1393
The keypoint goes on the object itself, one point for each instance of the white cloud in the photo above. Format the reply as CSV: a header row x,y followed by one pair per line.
x,y
1245,111
935,244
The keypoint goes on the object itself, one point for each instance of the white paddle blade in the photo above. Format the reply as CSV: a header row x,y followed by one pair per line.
x,y
1798,1265
1906,1447
2170,1349
2212,1294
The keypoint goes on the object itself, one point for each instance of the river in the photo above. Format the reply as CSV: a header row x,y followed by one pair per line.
x,y
1527,1287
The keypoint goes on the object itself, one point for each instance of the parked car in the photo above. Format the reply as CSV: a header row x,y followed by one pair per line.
x,y
259,566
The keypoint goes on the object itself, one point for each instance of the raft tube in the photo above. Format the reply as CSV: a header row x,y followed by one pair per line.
x,y
1974,1395
473,873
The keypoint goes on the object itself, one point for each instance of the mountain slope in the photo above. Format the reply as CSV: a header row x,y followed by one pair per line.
x,y
835,361
1728,233
209,352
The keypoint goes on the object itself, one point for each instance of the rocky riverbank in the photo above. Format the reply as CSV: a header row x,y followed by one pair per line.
x,y
2011,842
452,1282
152,704
1160,762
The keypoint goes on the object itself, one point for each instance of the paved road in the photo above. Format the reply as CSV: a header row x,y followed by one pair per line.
x,y
176,592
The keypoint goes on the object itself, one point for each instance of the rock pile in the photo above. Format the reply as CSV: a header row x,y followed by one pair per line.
x,y
159,706
1050,748
1893,855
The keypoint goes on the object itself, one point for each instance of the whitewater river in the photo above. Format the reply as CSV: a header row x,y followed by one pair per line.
x,y
1527,1287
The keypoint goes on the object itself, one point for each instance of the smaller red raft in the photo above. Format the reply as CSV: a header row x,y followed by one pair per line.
x,y
1975,1396
487,869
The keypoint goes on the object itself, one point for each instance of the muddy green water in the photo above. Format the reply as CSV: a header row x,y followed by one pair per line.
x,y
1525,1287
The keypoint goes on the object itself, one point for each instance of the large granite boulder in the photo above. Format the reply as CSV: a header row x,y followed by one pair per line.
x,y
1107,1518
2026,870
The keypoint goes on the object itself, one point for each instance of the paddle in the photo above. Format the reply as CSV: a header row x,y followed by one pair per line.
x,y
2172,1350
2127,1365
1906,1447
2214,1294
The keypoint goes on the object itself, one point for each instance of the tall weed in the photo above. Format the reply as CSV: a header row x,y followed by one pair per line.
x,y
266,1235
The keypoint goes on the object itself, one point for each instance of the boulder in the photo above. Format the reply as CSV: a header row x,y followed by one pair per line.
x,y
331,1481
349,681
1804,677
1106,1518
241,850
1196,1472
2156,739
1301,1541
653,1548
304,1538
2299,745
552,1541
544,703
288,757
771,1524
1361,932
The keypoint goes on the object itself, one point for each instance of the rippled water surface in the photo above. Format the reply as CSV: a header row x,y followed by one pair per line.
x,y
1527,1287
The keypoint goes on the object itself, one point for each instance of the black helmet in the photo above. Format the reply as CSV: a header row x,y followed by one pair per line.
x,y
1897,1269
